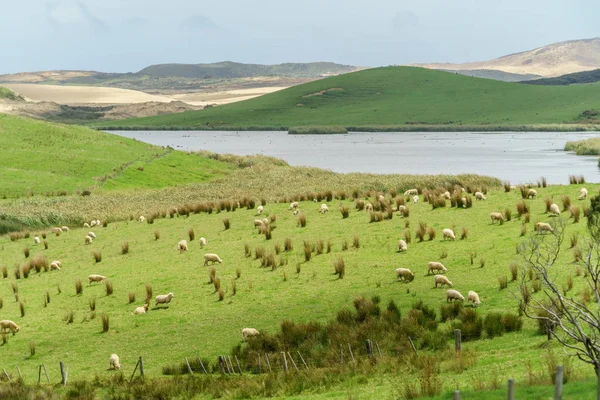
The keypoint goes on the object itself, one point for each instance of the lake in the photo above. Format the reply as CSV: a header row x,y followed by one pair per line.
x,y
514,156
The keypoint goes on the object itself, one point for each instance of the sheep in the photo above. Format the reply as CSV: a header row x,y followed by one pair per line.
x,y
163,298
141,310
98,223
86,225
249,332
293,205
369,207
92,234
65,228
402,246
415,199
381,198
92,223
473,297
446,195
583,194
448,233
8,325
411,192
36,240
496,216
435,266
463,201
56,229
323,209
479,196
452,294
258,223
142,218
543,227
96,278
114,362
296,212
441,280
213,258
202,241
88,239
405,274
554,210
182,246
532,194
55,265
259,210
265,221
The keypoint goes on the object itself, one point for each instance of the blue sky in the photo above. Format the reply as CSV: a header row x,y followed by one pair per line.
x,y
127,35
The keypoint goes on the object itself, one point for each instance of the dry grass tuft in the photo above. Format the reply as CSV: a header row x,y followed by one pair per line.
x,y
125,248
78,287
339,267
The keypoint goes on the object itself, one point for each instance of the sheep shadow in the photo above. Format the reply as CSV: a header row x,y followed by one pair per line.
x,y
156,308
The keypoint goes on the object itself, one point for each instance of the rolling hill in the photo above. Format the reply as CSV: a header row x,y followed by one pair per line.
x,y
569,79
548,61
401,96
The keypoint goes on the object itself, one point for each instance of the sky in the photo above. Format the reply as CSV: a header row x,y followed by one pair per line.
x,y
128,35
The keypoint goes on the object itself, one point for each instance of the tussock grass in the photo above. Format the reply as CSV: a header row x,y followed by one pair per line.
x,y
340,267
97,256
566,202
78,287
125,248
105,322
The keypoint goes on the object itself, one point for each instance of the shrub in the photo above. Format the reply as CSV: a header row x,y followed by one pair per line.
x,y
97,256
566,201
156,235
431,233
356,242
345,211
492,323
109,287
105,323
450,311
511,322
522,208
38,263
226,223
339,267
302,220
125,248
507,214
78,287
26,252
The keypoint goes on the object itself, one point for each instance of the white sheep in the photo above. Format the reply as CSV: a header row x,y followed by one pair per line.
x,y
479,196
56,229
249,332
86,225
163,298
258,223
381,198
36,240
473,297
114,362
96,278
202,241
141,310
496,216
583,194
405,274
88,239
415,199
532,194
8,325
446,195
543,227
452,294
296,212
55,265
402,246
65,228
182,246
266,221
463,201
435,266
448,234
92,223
323,208
441,280
411,192
369,207
213,258
98,223
554,210
142,218
293,205
92,234
259,210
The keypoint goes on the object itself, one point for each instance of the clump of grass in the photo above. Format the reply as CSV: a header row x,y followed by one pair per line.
x,y
212,275
259,252
345,212
576,179
26,252
247,251
344,245
302,220
569,283
125,248
217,283
506,185
526,218
431,233
507,214
574,239
22,308
524,191
17,272
575,213
92,303
105,323
407,236
226,223
288,245
191,234
4,272
45,245
109,287
502,282
32,348
359,204
47,297
277,248
548,203
78,287
356,242
514,271
307,252
420,232
464,234
481,262
522,208
443,254
536,285
97,256
319,246
523,230
577,254
329,245
566,201
272,218
156,235
148,293
405,212
339,267
375,216
69,317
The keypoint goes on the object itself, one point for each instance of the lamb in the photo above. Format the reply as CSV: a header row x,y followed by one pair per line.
x,y
405,274
182,246
583,194
496,216
96,278
65,228
473,297
142,218
36,240
369,207
249,332
114,362
86,225
293,205
532,194
434,266
213,258
259,210
164,298
415,199
402,246
448,233
453,295
92,234
554,210
8,325
202,241
141,310
324,209
55,265
88,239
479,196
441,280
543,227
411,192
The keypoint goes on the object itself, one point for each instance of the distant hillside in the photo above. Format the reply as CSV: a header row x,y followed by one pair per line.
x,y
569,79
548,61
404,96
495,74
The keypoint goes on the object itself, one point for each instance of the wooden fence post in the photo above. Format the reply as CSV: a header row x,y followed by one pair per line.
x,y
412,345
40,374
558,383
457,340
285,366
19,371
238,364
351,354
303,362
456,395
369,347
46,372
511,389
141,367
62,373
202,365
378,349
6,374
134,369
268,362
231,365
221,362
292,360
189,367
259,367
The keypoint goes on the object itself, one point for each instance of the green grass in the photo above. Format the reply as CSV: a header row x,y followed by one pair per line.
x,y
46,158
6,93
197,324
392,96
587,147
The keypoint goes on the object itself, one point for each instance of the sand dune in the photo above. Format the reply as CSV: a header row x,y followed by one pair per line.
x,y
225,96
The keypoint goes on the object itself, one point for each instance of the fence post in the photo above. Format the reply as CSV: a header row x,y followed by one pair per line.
x,y
221,365
558,383
6,374
456,395
457,340
141,367
19,371
259,367
292,360
369,347
238,364
46,373
62,373
268,362
412,345
40,374
202,365
134,369
285,366
351,354
341,355
511,389
189,367
302,358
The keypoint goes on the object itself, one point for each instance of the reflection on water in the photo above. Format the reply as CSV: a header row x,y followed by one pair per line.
x,y
518,157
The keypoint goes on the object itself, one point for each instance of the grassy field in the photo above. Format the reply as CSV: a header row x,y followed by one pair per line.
x,y
196,323
53,159
391,96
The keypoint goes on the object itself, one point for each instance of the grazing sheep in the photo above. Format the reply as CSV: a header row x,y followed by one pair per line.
x,y
142,218
65,228
213,258
92,223
496,216
114,362
296,212
8,325
182,246
401,208
381,198
164,298
402,246
249,332
411,192
441,280
405,274
435,266
141,310
259,210
92,234
86,225
479,196
463,201
415,199
554,210
56,229
323,209
446,195
88,240
258,223
532,194
266,221
473,297
543,227
452,294
98,223
36,240
369,207
202,241
96,278
448,233
583,194
55,265
293,205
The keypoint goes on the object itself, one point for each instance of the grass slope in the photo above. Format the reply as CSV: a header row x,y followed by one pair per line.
x,y
403,96
197,324
6,93
40,157
568,79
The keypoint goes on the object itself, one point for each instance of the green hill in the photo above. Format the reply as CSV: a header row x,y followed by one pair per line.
x,y
400,96
53,159
568,79
494,74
